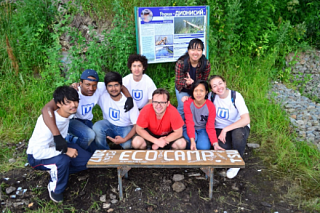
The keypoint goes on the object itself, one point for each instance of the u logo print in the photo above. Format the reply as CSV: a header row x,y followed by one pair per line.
x,y
137,94
114,114
86,108
223,113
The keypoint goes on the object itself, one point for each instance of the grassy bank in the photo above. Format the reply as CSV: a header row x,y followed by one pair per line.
x,y
238,51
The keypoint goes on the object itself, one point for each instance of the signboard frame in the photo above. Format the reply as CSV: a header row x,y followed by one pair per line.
x,y
163,33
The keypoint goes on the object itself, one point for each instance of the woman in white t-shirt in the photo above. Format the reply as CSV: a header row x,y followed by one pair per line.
x,y
232,121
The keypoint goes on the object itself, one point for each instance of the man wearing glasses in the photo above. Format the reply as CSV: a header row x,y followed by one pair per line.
x,y
117,125
159,124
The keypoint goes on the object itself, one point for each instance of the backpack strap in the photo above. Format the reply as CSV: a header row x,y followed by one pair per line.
x,y
233,98
213,95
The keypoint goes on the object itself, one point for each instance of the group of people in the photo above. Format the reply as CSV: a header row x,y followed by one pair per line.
x,y
137,115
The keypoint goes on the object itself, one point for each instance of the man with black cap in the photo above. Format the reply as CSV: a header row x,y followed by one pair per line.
x,y
89,92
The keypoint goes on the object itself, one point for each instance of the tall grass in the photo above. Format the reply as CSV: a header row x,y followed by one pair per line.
x,y
270,126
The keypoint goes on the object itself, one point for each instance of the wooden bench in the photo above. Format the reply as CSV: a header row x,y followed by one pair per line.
x,y
206,160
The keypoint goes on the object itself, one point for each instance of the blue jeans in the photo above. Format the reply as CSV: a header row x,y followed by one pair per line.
x,y
104,128
82,129
179,95
201,139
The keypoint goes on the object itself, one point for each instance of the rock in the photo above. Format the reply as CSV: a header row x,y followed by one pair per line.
x,y
10,189
112,196
266,204
114,201
103,198
194,175
177,177
150,209
110,210
235,187
12,160
106,205
294,116
253,145
178,187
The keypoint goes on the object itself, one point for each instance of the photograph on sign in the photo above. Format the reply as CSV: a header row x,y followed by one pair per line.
x,y
163,33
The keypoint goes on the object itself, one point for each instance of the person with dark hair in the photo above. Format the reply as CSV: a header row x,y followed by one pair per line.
x,y
57,156
139,84
80,127
117,125
190,67
159,124
200,115
232,122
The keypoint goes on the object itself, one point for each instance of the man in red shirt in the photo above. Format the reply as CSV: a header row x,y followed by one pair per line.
x,y
159,124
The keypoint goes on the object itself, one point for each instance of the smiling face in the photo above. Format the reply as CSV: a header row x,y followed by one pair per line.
x,y
199,93
88,88
160,103
114,89
137,69
67,108
218,86
195,53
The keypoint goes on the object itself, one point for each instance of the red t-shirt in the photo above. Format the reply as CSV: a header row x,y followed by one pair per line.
x,y
171,120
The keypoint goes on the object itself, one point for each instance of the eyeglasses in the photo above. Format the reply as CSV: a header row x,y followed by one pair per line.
x,y
161,103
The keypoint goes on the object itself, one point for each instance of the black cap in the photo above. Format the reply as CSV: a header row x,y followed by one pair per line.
x,y
88,73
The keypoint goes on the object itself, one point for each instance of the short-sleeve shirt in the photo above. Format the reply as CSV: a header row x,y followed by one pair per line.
x,y
114,112
170,121
41,144
140,91
86,103
226,113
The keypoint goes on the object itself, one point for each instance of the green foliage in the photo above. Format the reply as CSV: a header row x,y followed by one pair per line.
x,y
27,26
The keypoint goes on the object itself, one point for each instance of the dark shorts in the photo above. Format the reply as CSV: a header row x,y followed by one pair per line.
x,y
149,143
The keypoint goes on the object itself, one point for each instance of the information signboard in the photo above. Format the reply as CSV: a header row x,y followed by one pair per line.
x,y
163,33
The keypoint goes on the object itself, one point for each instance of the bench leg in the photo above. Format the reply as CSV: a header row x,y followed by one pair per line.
x,y
120,183
211,183
209,172
122,171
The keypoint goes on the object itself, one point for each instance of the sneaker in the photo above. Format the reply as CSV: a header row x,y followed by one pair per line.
x,y
55,197
232,172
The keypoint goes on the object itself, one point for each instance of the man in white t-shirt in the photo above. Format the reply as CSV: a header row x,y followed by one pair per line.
x,y
89,92
117,125
57,156
139,84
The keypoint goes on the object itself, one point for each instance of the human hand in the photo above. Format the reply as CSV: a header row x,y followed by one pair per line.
x,y
217,147
72,153
155,147
222,136
75,86
61,143
189,80
193,145
161,142
117,140
184,98
128,105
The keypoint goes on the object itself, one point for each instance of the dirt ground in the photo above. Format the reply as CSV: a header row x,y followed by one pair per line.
x,y
255,189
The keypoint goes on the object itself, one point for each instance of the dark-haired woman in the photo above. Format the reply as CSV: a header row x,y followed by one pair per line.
x,y
200,115
190,67
232,120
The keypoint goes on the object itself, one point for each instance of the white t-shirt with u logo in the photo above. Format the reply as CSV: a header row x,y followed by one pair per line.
x,y
226,113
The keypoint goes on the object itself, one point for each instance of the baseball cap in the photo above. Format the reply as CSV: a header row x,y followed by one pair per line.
x,y
87,73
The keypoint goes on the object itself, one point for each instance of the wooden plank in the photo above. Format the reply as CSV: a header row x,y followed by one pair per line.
x,y
166,159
